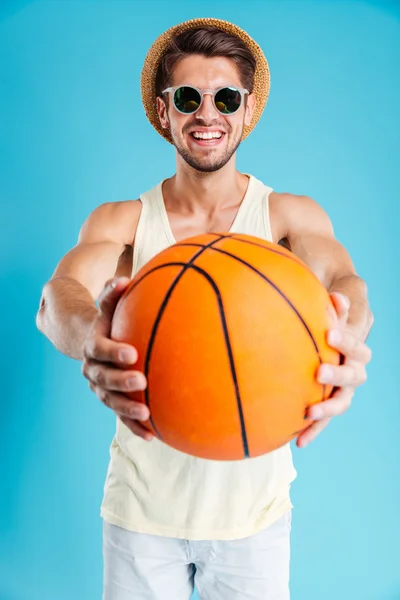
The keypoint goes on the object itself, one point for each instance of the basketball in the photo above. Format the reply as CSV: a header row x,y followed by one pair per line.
x,y
230,331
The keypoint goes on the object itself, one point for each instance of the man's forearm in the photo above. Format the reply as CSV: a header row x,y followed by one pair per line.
x,y
360,316
66,315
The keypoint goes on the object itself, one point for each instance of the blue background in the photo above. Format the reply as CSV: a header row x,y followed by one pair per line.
x,y
73,135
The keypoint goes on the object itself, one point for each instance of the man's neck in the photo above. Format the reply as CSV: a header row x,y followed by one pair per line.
x,y
195,191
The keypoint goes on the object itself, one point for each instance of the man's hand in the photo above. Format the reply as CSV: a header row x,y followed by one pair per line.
x,y
104,359
346,377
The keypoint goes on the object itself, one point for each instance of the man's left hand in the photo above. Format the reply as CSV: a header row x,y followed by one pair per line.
x,y
345,378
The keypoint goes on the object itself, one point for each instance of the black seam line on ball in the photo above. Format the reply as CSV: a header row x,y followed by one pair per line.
x,y
274,285
283,296
159,315
204,247
187,266
293,258
230,355
157,321
278,290
270,282
236,238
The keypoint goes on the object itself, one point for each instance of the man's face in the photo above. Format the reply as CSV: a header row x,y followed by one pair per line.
x,y
206,73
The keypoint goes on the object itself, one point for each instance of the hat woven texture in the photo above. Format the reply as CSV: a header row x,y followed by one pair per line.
x,y
153,58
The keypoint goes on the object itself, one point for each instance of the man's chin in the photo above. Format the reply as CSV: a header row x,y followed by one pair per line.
x,y
205,166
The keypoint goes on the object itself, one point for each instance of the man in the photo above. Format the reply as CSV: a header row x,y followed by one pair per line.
x,y
173,520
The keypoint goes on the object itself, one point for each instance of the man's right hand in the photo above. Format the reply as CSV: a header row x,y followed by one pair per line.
x,y
105,364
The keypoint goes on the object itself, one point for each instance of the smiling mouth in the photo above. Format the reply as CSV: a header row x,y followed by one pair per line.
x,y
207,138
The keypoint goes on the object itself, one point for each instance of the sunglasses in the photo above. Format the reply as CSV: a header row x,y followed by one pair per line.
x,y
188,99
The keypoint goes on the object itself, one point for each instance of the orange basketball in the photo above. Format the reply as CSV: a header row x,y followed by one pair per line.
x,y
230,331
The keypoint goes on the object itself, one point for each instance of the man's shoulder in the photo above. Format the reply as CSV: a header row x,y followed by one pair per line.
x,y
114,220
118,213
287,197
285,202
292,212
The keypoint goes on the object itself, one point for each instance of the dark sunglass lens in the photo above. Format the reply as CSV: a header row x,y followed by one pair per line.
x,y
228,100
187,99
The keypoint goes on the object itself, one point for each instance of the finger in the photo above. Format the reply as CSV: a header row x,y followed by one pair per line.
x,y
311,433
347,375
121,404
114,379
341,304
333,317
336,405
349,345
102,349
137,429
108,301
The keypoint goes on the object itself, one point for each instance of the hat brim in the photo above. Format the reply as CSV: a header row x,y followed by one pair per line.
x,y
148,77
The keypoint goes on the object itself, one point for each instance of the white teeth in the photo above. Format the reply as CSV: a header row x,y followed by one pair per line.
x,y
207,135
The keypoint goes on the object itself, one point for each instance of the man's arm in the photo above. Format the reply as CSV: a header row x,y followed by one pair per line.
x,y
68,303
310,235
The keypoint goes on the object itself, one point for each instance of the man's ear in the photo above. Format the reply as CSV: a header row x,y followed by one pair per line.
x,y
250,106
162,112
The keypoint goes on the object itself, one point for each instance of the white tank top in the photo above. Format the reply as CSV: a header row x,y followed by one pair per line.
x,y
155,489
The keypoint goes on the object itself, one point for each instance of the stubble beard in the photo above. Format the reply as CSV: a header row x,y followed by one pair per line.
x,y
208,164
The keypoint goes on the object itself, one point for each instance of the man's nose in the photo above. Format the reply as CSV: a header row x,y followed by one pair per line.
x,y
207,110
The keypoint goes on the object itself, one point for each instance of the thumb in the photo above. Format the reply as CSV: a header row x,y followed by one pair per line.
x,y
108,300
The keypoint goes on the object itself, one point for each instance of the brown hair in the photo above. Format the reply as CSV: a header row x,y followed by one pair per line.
x,y
208,41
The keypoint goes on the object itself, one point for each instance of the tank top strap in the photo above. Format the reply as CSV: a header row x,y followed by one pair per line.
x,y
253,217
152,233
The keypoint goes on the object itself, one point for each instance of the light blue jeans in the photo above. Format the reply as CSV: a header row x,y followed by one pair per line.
x,y
139,566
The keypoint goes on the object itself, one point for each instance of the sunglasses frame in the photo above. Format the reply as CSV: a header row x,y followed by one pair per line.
x,y
212,93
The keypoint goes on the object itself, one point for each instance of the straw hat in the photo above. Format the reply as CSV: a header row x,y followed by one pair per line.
x,y
148,77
